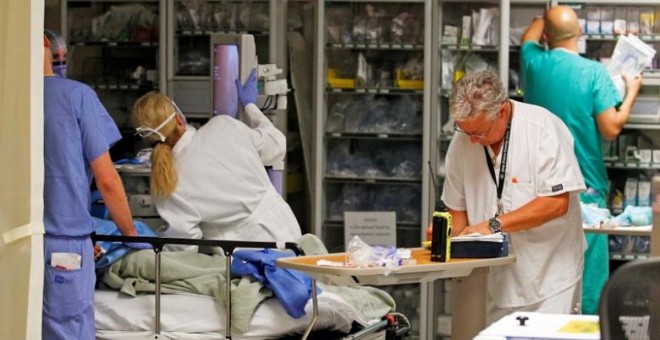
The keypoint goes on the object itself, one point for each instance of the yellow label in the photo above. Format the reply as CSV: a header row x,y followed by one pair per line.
x,y
581,327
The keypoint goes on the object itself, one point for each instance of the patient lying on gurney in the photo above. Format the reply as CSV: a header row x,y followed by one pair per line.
x,y
194,273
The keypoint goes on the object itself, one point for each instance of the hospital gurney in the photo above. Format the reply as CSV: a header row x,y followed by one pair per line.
x,y
115,314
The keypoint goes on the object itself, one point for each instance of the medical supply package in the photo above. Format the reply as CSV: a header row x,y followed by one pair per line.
x,y
630,57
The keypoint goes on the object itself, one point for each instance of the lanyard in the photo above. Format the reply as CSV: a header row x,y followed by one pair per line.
x,y
500,184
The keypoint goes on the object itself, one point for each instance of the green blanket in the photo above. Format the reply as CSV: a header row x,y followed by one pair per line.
x,y
187,272
191,272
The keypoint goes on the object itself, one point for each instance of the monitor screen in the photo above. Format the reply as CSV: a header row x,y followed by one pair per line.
x,y
225,72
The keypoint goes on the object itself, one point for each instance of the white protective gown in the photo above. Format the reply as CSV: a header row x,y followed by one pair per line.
x,y
223,190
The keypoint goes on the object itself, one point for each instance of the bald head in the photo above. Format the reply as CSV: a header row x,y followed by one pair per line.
x,y
561,23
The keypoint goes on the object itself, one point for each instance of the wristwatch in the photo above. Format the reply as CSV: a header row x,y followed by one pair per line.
x,y
494,225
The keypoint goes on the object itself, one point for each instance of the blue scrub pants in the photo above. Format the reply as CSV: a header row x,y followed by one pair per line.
x,y
68,307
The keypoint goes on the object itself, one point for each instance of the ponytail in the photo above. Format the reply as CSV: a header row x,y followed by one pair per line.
x,y
163,172
150,111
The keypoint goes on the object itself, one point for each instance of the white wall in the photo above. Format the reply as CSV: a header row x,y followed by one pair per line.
x,y
21,166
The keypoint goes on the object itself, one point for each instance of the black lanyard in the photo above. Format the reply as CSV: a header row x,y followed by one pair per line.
x,y
491,167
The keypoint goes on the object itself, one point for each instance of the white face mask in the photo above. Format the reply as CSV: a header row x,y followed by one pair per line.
x,y
145,131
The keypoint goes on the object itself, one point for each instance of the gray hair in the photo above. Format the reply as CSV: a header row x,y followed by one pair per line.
x,y
475,94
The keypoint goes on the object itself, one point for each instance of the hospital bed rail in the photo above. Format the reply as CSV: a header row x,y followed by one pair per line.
x,y
228,247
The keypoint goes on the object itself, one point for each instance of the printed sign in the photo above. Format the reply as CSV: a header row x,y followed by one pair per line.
x,y
373,227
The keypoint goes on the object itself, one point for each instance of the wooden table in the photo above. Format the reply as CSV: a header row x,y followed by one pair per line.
x,y
469,286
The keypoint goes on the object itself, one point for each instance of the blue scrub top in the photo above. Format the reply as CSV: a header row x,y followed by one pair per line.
x,y
577,90
77,130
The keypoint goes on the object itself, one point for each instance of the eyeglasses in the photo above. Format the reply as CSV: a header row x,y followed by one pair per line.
x,y
478,135
145,131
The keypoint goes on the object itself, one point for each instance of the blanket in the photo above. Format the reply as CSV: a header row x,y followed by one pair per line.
x,y
191,272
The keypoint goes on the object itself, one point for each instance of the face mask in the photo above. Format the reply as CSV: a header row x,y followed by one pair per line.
x,y
60,68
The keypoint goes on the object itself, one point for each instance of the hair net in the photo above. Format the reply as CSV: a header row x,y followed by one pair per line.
x,y
56,41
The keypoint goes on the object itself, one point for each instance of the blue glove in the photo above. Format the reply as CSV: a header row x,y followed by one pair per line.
x,y
247,94
138,245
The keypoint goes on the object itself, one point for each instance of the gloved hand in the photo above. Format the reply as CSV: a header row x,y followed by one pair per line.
x,y
247,94
138,245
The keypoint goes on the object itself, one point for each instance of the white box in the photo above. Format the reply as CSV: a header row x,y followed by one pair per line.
x,y
465,29
644,194
450,30
450,40
645,155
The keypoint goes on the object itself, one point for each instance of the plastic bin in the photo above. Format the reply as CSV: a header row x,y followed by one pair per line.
x,y
402,83
339,83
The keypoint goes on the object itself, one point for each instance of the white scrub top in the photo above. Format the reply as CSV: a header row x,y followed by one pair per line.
x,y
541,162
223,190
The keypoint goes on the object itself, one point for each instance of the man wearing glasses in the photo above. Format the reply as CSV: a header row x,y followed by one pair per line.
x,y
511,169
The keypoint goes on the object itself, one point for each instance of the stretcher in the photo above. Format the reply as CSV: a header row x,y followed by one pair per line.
x,y
198,317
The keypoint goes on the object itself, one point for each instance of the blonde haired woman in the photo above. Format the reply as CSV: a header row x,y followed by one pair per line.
x,y
211,183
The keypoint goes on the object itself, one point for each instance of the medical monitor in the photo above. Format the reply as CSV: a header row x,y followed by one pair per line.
x,y
233,56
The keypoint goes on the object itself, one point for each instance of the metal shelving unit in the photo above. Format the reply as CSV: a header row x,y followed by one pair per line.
x,y
106,58
363,141
450,13
382,51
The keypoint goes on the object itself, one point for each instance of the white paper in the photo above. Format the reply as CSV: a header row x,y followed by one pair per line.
x,y
498,237
68,261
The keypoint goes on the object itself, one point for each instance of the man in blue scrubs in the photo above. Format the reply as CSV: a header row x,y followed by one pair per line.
x,y
581,92
77,135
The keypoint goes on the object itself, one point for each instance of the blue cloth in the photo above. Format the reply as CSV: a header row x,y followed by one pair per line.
x,y
291,288
68,306
127,161
77,130
115,250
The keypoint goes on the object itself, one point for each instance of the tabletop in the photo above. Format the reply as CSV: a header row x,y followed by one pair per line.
x,y
424,270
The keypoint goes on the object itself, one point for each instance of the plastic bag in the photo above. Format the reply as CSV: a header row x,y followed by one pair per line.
x,y
593,216
634,216
362,255
630,57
